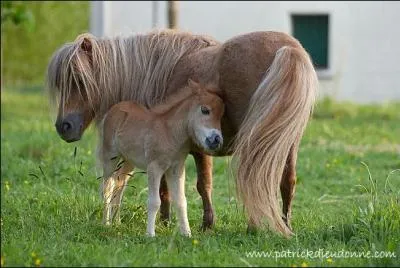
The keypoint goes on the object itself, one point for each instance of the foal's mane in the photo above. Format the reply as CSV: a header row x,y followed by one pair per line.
x,y
135,67
175,99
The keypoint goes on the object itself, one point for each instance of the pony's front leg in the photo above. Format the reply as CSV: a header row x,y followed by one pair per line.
x,y
165,201
154,177
204,164
175,177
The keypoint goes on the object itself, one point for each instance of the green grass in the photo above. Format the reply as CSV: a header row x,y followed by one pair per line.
x,y
50,203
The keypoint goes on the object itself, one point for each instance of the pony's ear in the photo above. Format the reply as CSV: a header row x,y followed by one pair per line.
x,y
86,45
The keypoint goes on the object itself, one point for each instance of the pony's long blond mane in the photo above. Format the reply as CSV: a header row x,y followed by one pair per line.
x,y
135,68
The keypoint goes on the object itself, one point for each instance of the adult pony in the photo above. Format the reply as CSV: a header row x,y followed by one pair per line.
x,y
266,80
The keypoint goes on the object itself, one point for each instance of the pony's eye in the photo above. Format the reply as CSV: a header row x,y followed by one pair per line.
x,y
205,110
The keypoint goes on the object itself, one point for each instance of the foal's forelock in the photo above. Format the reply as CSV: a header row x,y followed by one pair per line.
x,y
135,68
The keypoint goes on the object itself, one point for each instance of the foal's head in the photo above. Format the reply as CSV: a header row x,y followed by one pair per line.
x,y
204,117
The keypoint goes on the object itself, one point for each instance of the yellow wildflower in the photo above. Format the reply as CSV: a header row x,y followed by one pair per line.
x,y
7,185
304,264
37,262
33,255
195,242
329,260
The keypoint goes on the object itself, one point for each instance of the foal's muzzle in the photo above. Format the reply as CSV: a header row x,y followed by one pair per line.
x,y
70,127
214,141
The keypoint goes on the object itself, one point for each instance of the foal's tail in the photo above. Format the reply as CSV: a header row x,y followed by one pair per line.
x,y
275,120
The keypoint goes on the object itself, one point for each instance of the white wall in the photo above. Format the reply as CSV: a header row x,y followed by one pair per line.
x,y
111,18
364,41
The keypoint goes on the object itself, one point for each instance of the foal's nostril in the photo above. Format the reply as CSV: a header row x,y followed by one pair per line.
x,y
214,141
66,126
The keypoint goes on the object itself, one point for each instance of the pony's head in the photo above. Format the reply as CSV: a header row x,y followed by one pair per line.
x,y
204,117
88,76
72,86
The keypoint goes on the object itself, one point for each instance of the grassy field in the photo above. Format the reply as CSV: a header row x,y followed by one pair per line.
x,y
50,203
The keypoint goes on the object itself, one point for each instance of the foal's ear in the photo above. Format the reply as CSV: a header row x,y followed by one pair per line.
x,y
86,45
192,83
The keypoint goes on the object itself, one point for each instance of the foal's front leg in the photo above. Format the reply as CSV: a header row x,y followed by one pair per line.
x,y
175,177
154,173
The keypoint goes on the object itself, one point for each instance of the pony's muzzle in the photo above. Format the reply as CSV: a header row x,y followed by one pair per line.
x,y
214,141
70,127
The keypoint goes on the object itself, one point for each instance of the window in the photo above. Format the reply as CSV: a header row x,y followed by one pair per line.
x,y
312,32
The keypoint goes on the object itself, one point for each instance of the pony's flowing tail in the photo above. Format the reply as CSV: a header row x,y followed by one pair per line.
x,y
275,120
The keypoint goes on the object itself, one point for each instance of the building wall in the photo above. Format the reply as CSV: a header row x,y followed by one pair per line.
x,y
364,37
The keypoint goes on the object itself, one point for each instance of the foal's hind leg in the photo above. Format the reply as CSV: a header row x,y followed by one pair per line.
x,y
204,166
107,187
288,184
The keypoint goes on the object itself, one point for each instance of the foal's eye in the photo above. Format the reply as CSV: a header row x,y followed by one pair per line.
x,y
205,110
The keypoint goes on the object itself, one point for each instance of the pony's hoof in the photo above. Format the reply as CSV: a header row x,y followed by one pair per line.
x,y
208,220
287,222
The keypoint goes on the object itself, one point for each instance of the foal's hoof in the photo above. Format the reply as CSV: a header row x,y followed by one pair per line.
x,y
106,223
208,220
150,234
186,234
